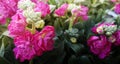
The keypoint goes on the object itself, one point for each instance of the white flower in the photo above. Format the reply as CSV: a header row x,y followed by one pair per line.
x,y
52,7
24,4
101,1
32,15
78,1
71,6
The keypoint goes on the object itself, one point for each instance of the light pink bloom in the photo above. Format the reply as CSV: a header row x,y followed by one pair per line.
x,y
113,0
82,12
7,9
43,8
36,1
24,46
17,25
45,37
61,10
117,8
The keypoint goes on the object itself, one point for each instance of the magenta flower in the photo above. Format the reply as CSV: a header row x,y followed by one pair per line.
x,y
117,36
24,46
101,27
7,9
17,25
98,29
117,8
43,8
45,37
61,10
99,46
81,12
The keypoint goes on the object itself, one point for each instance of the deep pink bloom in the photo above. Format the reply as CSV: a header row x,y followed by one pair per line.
x,y
24,46
117,8
82,12
99,46
17,25
43,8
117,36
7,9
45,37
61,10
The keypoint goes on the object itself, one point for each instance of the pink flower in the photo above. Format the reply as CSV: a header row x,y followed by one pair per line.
x,y
99,28
24,46
45,37
117,8
113,1
43,8
117,37
61,10
36,1
99,46
17,25
82,12
7,9
28,45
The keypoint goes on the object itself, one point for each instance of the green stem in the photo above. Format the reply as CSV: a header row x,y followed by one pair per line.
x,y
31,62
33,28
94,2
71,23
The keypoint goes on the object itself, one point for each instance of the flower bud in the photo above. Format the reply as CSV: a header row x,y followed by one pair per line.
x,y
39,24
24,4
73,40
108,33
29,21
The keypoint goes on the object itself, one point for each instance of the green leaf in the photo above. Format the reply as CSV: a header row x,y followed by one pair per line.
x,y
84,60
73,60
58,28
77,48
4,61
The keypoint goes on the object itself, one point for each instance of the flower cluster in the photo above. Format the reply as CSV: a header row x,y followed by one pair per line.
x,y
108,35
33,22
28,41
29,45
76,10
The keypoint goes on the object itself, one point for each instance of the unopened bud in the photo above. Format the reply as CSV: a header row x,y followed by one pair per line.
x,y
73,39
39,24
